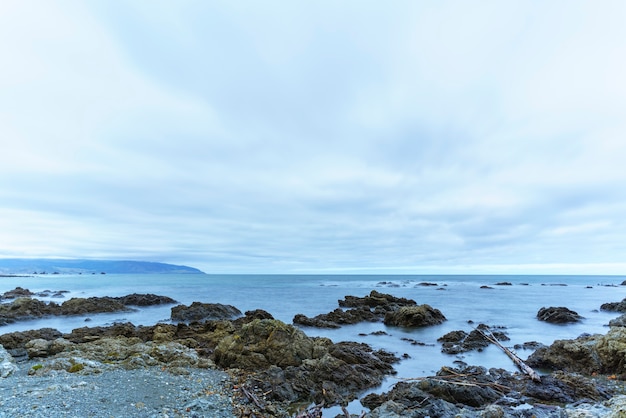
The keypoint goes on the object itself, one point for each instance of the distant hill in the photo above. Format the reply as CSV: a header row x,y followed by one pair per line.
x,y
75,266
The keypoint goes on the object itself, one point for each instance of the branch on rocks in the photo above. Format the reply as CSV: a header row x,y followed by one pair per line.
x,y
518,361
252,397
313,412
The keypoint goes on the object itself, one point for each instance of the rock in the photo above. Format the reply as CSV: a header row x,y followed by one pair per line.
x,y
558,315
620,321
7,364
24,308
198,311
149,299
414,316
614,306
18,292
375,299
504,284
475,392
16,340
81,306
456,342
338,317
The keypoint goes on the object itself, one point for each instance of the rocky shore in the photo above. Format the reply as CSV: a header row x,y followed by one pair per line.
x,y
213,360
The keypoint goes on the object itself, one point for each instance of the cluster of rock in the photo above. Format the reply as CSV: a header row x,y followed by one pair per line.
x,y
24,307
274,359
375,307
277,365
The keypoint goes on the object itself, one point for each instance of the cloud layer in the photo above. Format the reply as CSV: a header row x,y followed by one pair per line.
x,y
316,137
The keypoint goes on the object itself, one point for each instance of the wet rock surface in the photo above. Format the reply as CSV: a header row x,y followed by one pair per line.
x,y
414,316
614,306
558,315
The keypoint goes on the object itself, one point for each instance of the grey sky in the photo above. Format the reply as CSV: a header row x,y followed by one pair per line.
x,y
353,137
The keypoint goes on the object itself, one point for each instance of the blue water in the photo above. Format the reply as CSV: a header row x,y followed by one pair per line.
x,y
460,298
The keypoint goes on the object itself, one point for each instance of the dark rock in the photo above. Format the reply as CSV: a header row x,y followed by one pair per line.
x,y
149,299
81,306
375,299
558,315
338,317
414,316
258,314
426,284
504,284
17,340
198,311
456,342
614,306
18,292
486,287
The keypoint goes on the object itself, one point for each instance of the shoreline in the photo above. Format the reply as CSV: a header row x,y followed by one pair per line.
x,y
57,354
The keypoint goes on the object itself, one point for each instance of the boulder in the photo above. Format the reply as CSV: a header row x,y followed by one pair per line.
x,y
614,306
81,306
375,299
17,340
149,299
199,311
558,315
414,316
338,317
18,292
455,342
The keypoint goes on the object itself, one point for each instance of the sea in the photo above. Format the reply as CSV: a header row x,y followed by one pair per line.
x,y
508,301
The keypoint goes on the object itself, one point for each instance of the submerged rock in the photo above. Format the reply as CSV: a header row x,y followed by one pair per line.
x,y
558,315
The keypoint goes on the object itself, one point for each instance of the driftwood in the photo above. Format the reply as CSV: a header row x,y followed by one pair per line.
x,y
518,361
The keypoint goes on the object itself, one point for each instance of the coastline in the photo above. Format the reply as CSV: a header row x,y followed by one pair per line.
x,y
235,388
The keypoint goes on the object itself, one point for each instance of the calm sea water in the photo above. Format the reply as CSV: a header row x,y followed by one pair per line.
x,y
460,298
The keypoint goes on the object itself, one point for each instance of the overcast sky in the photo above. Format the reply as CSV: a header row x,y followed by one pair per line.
x,y
316,136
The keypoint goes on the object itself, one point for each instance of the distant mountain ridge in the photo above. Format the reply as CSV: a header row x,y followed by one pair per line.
x,y
83,266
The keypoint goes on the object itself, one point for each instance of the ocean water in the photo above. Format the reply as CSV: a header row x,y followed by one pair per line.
x,y
460,298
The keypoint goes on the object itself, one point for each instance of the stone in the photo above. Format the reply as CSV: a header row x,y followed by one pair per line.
x,y
414,316
199,311
558,315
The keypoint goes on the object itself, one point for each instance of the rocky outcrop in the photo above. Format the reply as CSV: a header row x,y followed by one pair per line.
x,y
590,354
558,315
338,317
414,316
475,392
291,366
148,299
18,292
614,306
374,307
199,311
456,342
25,308
375,299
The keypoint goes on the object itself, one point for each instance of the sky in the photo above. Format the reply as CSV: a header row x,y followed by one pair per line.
x,y
351,137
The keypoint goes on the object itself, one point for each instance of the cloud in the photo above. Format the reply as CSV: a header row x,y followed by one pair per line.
x,y
305,137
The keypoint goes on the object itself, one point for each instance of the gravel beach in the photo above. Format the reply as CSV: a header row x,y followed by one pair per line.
x,y
117,392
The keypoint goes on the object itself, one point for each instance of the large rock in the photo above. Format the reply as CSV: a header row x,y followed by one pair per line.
x,y
456,342
199,311
558,315
414,316
338,317
18,292
148,299
82,306
375,299
604,354
290,366
614,306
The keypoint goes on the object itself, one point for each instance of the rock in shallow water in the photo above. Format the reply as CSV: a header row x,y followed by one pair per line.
x,y
558,315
